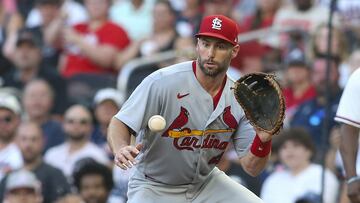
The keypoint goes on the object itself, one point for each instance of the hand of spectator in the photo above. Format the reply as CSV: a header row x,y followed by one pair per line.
x,y
71,36
125,157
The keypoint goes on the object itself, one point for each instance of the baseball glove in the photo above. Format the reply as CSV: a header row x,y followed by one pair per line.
x,y
260,95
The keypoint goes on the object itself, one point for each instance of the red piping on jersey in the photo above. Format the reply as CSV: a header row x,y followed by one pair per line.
x,y
217,97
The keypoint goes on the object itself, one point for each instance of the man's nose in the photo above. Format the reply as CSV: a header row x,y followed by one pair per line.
x,y
211,52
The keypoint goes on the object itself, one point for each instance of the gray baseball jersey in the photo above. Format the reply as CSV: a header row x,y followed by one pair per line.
x,y
196,134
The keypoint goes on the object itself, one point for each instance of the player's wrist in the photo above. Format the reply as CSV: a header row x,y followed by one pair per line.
x,y
353,179
260,148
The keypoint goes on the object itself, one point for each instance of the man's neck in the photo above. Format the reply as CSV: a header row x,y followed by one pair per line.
x,y
300,88
40,119
32,165
211,84
26,74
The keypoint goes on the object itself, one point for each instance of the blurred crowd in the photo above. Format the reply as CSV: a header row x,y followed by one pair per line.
x,y
60,63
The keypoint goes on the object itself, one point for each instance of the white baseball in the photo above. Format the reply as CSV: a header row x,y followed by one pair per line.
x,y
156,123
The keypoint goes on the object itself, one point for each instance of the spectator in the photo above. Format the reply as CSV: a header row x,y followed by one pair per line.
x,y
10,23
49,10
92,46
23,187
339,48
107,102
10,155
298,88
93,181
38,99
133,12
218,7
31,143
77,126
301,177
311,114
188,20
303,16
253,51
161,39
72,11
28,65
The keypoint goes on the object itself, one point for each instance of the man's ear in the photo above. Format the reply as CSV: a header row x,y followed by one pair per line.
x,y
235,51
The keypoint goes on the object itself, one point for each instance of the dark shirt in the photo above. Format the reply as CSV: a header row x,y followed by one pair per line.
x,y
237,173
311,114
53,183
53,134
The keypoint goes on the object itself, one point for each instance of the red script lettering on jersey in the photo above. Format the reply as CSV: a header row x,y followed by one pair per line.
x,y
179,96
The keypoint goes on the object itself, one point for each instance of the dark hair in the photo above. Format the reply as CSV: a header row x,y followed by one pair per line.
x,y
89,166
297,135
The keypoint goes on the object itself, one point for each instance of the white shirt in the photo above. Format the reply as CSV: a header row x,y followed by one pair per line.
x,y
138,23
349,109
290,17
282,186
60,157
76,14
10,159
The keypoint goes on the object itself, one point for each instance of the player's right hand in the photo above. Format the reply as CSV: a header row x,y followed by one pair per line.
x,y
125,156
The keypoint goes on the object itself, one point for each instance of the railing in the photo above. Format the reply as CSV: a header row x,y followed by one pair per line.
x,y
122,82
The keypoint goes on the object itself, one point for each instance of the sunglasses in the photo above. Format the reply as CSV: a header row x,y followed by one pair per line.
x,y
83,121
6,119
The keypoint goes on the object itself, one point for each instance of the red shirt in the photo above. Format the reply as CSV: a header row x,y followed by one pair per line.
x,y
109,33
291,101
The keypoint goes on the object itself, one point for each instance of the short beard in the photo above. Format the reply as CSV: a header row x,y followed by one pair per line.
x,y
76,138
222,67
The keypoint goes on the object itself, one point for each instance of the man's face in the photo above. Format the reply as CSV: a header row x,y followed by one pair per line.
x,y
214,55
77,124
30,142
92,189
319,75
294,155
37,99
23,195
27,56
8,124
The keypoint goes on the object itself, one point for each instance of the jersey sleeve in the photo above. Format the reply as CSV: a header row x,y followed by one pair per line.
x,y
243,137
349,111
141,105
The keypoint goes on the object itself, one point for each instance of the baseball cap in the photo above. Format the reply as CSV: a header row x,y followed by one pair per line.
x,y
10,102
296,57
29,36
109,94
219,26
22,179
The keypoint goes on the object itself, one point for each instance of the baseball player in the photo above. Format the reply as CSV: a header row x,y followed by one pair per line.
x,y
348,114
177,165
